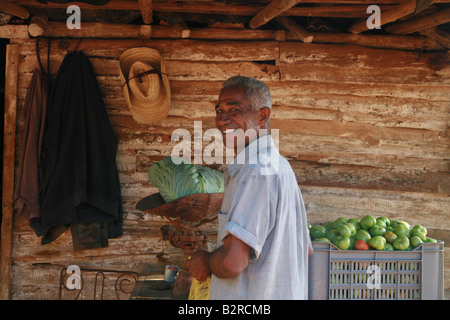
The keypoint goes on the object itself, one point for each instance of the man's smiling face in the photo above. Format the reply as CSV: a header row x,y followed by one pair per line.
x,y
234,111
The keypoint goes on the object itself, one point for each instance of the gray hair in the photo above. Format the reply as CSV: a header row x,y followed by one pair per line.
x,y
255,91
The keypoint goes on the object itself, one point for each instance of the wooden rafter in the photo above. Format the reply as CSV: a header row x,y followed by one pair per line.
x,y
146,8
391,15
273,9
14,9
424,22
293,27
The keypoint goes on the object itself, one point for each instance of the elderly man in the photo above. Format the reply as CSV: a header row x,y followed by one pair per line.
x,y
263,240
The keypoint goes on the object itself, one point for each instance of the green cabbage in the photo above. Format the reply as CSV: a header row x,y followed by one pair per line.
x,y
176,181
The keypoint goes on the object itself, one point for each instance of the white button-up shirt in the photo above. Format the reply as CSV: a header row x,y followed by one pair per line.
x,y
263,207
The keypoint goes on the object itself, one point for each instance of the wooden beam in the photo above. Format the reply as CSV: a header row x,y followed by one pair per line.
x,y
11,84
424,22
388,16
438,35
146,8
37,25
273,9
127,31
398,42
10,31
14,9
296,29
95,30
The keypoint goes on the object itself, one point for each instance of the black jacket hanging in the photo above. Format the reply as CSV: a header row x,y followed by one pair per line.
x,y
80,178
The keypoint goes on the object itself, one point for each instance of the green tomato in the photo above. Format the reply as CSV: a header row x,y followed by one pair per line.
x,y
387,222
388,247
380,222
377,230
406,224
331,234
355,222
377,242
338,222
322,240
429,240
415,241
402,230
352,228
390,236
394,224
419,231
317,231
352,243
309,226
368,221
363,235
401,243
342,242
344,230
328,225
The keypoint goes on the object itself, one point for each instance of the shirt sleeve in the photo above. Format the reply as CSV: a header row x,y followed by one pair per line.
x,y
250,218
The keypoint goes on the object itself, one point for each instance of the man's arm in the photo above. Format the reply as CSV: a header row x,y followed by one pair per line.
x,y
228,261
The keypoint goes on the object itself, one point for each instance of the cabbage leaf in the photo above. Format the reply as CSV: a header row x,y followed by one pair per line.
x,y
178,180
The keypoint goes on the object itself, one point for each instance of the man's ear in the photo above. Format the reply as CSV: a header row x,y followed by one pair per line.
x,y
264,115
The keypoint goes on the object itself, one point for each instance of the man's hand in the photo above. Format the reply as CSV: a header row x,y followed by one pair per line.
x,y
198,265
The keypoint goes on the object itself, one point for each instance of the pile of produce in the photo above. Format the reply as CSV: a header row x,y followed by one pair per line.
x,y
370,233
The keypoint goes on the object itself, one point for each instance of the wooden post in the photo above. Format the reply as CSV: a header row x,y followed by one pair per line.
x,y
146,7
301,33
420,23
11,81
273,9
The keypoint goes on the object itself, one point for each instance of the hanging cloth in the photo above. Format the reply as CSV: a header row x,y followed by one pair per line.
x,y
26,194
80,178
29,175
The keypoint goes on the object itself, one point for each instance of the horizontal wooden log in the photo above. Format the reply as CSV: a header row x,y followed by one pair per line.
x,y
440,36
58,29
14,32
325,204
190,50
367,177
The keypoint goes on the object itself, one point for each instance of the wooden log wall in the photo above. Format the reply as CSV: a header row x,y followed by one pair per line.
x,y
365,130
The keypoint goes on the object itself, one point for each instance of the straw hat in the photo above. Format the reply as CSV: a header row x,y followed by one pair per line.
x,y
145,84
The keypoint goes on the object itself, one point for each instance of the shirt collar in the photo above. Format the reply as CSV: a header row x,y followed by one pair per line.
x,y
249,155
